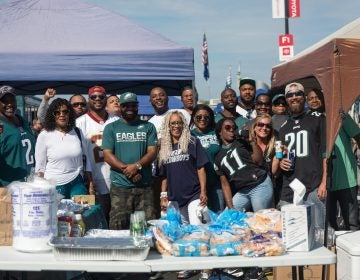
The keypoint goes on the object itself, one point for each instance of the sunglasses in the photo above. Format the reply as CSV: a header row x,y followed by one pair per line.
x,y
279,104
202,117
292,94
59,112
229,127
267,125
266,104
176,124
95,96
78,104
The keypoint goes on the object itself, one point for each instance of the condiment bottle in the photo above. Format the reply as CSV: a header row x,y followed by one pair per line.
x,y
64,224
78,227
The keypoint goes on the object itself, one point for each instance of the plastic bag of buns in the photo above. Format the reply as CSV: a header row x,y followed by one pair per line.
x,y
265,220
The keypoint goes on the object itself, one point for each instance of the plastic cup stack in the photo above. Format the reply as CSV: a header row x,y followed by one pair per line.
x,y
138,227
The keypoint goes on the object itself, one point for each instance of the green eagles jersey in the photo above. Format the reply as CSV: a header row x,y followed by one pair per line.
x,y
17,146
129,143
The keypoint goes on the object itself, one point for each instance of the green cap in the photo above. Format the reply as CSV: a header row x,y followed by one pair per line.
x,y
128,97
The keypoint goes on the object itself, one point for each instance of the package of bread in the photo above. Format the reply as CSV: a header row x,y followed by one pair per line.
x,y
263,246
162,242
265,220
197,235
190,248
225,243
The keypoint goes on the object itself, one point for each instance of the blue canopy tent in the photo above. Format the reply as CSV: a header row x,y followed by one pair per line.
x,y
72,45
146,109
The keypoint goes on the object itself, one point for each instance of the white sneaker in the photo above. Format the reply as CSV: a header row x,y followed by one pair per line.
x,y
156,276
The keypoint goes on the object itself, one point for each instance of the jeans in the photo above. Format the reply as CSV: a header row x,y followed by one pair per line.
x,y
257,198
319,208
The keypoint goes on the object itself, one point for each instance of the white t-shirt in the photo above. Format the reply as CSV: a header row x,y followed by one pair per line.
x,y
59,155
93,130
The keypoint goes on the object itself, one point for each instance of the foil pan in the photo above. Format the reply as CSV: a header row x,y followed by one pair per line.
x,y
79,248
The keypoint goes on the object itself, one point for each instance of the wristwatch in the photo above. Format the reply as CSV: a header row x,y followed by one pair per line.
x,y
138,165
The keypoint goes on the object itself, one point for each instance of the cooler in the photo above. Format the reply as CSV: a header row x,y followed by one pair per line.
x,y
348,256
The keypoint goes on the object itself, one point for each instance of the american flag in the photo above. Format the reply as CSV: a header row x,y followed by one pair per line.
x,y
205,59
228,79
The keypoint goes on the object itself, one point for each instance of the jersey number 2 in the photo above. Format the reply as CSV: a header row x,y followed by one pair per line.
x,y
299,142
26,143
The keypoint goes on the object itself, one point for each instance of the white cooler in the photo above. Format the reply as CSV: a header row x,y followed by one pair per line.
x,y
348,256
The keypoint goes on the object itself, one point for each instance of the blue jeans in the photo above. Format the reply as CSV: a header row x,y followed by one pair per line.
x,y
257,198
319,207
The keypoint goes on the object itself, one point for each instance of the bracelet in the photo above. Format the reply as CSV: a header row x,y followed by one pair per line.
x,y
163,195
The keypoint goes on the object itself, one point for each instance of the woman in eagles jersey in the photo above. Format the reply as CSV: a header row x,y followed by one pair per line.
x,y
203,121
59,151
239,164
17,141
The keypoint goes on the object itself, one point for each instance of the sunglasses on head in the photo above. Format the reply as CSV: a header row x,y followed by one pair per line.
x,y
95,96
292,94
202,117
267,125
78,104
57,113
229,127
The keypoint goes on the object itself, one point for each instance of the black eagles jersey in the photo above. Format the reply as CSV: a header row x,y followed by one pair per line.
x,y
306,136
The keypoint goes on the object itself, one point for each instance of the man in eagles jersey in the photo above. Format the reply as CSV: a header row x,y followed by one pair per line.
x,y
305,135
130,146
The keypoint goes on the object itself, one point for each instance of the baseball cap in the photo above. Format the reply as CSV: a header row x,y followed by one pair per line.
x,y
294,87
261,91
96,89
248,81
4,90
128,97
277,96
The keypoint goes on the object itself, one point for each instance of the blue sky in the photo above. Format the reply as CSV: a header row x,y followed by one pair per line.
x,y
237,31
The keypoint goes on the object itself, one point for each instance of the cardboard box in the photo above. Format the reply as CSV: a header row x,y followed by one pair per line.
x,y
6,230
85,199
298,231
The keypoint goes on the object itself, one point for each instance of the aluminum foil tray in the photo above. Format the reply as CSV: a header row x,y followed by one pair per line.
x,y
87,249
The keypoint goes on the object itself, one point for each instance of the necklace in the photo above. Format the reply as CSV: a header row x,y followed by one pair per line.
x,y
63,133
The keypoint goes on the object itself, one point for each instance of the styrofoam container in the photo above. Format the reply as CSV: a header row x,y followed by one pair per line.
x,y
348,256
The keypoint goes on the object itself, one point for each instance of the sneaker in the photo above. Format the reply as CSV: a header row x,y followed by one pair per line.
x,y
255,273
185,274
156,275
236,272
204,276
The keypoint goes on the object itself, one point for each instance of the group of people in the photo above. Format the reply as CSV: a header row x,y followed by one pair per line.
x,y
188,157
